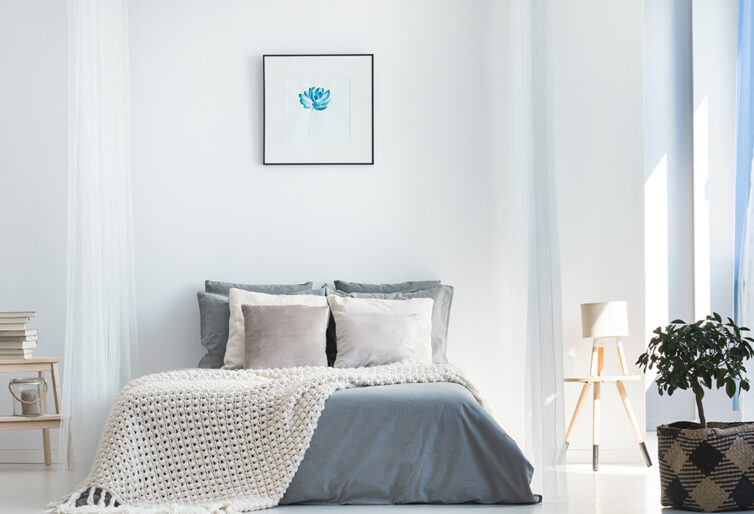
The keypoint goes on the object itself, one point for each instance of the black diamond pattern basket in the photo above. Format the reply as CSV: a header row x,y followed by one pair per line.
x,y
707,470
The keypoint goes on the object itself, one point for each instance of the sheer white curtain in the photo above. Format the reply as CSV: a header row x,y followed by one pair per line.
x,y
532,261
100,339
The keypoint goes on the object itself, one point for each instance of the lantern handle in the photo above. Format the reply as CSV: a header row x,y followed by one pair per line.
x,y
16,381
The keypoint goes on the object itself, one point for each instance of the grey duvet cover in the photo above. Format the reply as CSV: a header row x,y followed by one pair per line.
x,y
409,443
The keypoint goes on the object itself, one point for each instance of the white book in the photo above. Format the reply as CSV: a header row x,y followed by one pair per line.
x,y
8,321
16,339
6,353
25,314
12,326
18,333
16,345
16,356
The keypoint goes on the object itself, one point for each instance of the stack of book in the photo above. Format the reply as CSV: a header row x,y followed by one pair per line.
x,y
16,341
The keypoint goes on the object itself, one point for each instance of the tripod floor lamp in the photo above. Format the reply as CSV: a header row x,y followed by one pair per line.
x,y
601,321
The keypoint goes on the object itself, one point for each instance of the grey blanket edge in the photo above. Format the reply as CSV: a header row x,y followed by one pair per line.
x,y
410,443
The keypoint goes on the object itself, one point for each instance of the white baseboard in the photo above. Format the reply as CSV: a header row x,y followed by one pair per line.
x,y
25,456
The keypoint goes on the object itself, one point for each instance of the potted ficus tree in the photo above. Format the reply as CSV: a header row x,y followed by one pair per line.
x,y
705,466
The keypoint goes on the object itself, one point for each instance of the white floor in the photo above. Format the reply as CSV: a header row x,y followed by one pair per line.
x,y
615,489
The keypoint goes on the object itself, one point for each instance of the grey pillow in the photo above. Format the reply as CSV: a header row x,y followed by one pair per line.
x,y
443,300
214,316
359,287
213,286
373,339
284,336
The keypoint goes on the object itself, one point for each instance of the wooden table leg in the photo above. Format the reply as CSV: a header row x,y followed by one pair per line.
x,y
632,419
45,431
596,427
576,412
56,386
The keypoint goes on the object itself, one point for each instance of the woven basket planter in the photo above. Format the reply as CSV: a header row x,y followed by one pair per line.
x,y
707,470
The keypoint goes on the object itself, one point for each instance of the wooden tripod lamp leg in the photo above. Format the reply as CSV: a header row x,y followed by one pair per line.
x,y
630,412
601,361
596,426
576,412
621,357
594,363
594,369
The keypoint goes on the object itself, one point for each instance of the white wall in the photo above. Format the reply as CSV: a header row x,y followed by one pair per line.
x,y
668,185
598,159
690,95
33,179
205,207
715,31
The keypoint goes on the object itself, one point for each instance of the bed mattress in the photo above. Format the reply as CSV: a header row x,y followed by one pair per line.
x,y
410,443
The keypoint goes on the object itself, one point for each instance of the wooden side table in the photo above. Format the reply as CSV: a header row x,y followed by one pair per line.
x,y
596,379
46,421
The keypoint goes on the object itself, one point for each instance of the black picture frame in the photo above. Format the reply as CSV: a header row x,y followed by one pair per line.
x,y
264,112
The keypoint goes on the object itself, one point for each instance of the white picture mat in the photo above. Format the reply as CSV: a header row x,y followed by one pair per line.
x,y
281,71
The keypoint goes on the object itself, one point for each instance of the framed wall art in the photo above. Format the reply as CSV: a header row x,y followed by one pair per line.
x,y
318,109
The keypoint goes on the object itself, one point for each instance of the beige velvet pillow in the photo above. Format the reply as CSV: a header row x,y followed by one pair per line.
x,y
422,340
373,339
235,350
284,336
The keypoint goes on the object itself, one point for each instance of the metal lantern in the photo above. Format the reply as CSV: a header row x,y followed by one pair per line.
x,y
28,395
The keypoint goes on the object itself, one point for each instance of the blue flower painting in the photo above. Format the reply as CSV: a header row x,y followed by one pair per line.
x,y
315,98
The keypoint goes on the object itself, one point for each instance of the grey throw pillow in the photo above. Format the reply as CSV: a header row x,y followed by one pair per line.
x,y
374,339
214,314
443,300
284,336
214,317
360,287
213,286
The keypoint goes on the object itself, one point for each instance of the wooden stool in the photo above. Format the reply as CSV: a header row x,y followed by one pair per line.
x,y
597,378
46,421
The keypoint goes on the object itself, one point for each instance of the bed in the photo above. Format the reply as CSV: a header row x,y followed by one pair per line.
x,y
409,443
230,440
286,428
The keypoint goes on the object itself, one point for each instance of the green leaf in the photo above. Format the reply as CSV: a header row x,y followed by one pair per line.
x,y
730,388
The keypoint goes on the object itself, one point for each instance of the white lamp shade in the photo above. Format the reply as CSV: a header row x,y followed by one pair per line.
x,y
604,319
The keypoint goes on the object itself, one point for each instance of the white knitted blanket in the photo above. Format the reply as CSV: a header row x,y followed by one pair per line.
x,y
219,440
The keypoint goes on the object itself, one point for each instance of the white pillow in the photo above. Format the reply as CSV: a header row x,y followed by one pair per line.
x,y
373,339
422,341
235,352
